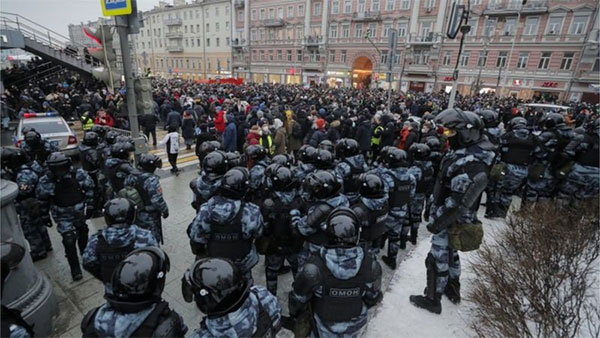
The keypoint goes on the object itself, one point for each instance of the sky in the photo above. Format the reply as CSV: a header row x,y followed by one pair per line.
x,y
58,14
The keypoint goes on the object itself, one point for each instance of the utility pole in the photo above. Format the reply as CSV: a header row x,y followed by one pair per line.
x,y
122,25
512,47
455,25
392,45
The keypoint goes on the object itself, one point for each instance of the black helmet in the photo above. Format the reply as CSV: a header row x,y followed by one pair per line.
x,y
125,139
33,139
593,127
283,159
13,158
489,117
383,153
90,139
434,143
150,162
324,160
99,130
215,164
138,281
343,228
234,184
119,212
321,184
234,159
207,147
396,158
121,150
419,151
256,152
216,284
58,163
281,177
326,145
517,123
111,137
346,147
553,121
371,186
463,128
307,154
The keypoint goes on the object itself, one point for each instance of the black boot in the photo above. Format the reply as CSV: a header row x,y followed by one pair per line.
x,y
82,237
430,304
390,261
70,244
452,290
403,240
413,235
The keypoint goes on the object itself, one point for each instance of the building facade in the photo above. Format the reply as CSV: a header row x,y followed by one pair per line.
x,y
545,47
192,41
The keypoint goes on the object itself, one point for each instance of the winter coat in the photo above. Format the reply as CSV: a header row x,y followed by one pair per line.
x,y
187,129
363,136
230,137
174,119
220,122
280,141
316,137
294,143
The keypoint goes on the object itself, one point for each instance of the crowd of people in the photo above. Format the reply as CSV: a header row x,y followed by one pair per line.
x,y
326,183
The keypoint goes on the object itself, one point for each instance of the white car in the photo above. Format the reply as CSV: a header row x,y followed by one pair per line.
x,y
53,128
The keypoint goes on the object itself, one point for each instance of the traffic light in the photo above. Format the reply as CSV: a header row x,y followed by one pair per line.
x,y
105,53
143,96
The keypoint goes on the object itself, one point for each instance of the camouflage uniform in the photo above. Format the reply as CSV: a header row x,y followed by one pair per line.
x,y
343,264
116,238
149,217
462,165
222,210
398,222
243,322
300,222
374,205
33,213
423,173
116,171
92,161
301,171
583,182
203,188
348,170
40,155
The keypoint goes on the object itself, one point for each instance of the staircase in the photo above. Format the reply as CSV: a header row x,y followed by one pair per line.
x,y
19,32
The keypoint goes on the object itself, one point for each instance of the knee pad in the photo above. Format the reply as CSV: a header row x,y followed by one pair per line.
x,y
69,238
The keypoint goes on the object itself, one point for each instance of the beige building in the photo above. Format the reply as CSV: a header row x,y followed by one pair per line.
x,y
189,40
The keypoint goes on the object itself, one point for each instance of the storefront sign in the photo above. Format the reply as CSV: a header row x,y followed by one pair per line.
x,y
292,71
448,78
516,82
549,84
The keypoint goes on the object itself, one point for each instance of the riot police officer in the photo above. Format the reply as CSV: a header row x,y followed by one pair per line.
x,y
280,241
118,166
307,156
70,193
326,145
490,125
372,209
108,247
92,161
37,148
109,139
135,307
422,169
233,307
435,156
323,194
214,166
206,148
352,164
148,186
33,213
401,185
226,226
340,282
13,324
462,179
258,161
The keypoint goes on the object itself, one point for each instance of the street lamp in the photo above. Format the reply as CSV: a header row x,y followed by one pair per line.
x,y
512,47
485,46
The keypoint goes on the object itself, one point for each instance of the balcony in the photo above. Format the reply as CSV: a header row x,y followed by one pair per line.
x,y
313,40
274,22
425,40
238,43
173,22
174,35
174,49
239,4
512,7
366,16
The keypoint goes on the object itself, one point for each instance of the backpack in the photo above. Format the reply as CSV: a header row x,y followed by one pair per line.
x,y
133,193
297,130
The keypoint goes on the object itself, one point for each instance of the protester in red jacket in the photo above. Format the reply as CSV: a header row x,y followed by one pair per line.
x,y
220,121
104,119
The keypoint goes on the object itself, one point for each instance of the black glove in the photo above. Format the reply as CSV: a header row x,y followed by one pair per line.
x,y
165,214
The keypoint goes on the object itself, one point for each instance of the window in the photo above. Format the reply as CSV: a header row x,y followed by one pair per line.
x,y
187,44
554,25
372,29
263,14
187,63
227,11
141,32
254,16
289,55
578,24
192,42
397,58
208,42
596,66
261,33
490,27
262,55
464,59
206,14
473,24
207,27
299,55
389,5
375,5
544,60
241,16
347,6
279,55
358,31
144,45
429,4
425,30
216,11
531,26
300,10
333,31
402,29
191,28
567,60
523,59
421,57
227,24
227,41
343,57
405,4
198,28
198,42
317,8
482,60
197,14
384,57
184,15
361,6
280,13
335,7
386,29
271,13
217,26
253,35
345,30
447,58
332,56
290,11
509,26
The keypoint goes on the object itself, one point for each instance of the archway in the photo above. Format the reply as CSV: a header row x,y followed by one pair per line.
x,y
362,72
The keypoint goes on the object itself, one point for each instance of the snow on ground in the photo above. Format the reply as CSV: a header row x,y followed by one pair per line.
x,y
397,317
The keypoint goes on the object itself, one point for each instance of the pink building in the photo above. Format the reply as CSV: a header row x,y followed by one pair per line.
x,y
545,47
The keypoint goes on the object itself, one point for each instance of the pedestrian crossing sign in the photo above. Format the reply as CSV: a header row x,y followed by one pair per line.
x,y
116,7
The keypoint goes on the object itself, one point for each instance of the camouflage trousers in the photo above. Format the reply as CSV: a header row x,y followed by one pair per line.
x,y
541,189
508,185
583,182
36,234
274,263
150,220
396,227
416,211
447,262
